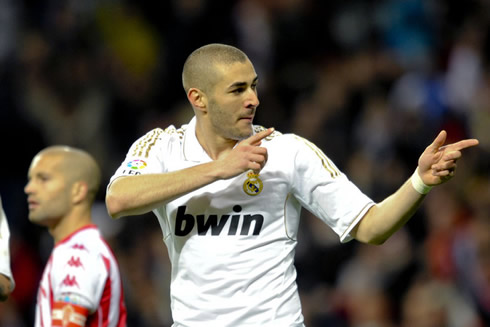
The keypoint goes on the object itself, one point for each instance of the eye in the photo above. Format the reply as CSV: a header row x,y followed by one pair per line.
x,y
237,91
43,178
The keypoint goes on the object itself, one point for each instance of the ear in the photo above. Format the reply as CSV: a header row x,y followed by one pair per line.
x,y
79,191
198,99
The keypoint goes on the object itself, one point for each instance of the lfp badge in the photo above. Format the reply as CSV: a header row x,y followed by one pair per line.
x,y
253,185
136,164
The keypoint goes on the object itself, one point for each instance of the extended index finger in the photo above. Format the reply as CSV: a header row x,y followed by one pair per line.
x,y
256,138
463,144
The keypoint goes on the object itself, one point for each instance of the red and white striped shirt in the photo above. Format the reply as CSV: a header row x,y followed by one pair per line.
x,y
82,270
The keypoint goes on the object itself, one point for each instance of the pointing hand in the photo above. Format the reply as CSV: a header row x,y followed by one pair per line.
x,y
437,163
246,155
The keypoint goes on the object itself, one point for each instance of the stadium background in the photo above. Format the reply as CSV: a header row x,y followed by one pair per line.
x,y
370,82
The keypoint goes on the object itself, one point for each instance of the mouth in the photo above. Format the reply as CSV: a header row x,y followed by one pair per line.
x,y
247,119
32,204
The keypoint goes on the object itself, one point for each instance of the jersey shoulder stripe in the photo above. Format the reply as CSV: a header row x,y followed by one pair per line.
x,y
145,143
143,146
326,162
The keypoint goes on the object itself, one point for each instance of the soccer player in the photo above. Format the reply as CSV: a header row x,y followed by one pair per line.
x,y
7,283
81,284
228,195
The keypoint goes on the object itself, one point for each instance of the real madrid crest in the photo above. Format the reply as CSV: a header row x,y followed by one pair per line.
x,y
253,185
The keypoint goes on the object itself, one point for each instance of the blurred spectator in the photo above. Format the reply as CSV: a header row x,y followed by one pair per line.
x,y
60,93
445,215
471,251
434,303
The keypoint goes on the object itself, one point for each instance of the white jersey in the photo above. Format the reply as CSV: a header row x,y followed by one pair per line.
x,y
232,242
82,270
5,247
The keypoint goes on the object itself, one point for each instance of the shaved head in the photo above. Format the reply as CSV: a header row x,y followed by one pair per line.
x,y
200,67
76,165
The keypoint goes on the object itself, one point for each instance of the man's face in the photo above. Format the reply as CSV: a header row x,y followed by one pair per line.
x,y
48,194
233,101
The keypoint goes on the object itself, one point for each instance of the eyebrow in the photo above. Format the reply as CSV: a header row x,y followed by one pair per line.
x,y
241,84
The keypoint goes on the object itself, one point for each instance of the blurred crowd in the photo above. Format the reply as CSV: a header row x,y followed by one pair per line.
x,y
370,82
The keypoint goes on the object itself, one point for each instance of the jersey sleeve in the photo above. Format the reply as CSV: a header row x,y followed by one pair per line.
x,y
325,191
145,156
78,277
4,247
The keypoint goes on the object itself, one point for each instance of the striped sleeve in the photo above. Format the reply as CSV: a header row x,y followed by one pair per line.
x,y
146,155
326,191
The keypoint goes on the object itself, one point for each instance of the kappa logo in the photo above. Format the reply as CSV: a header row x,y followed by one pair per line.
x,y
79,247
75,262
70,281
185,223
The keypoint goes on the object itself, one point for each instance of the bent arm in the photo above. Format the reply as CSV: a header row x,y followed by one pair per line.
x,y
135,195
139,194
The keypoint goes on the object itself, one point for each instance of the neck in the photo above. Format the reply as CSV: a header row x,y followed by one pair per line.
x,y
214,144
69,224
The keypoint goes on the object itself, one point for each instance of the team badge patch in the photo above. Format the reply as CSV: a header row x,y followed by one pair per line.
x,y
136,164
253,185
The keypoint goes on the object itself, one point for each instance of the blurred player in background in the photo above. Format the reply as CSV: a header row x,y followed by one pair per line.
x,y
81,284
228,196
7,283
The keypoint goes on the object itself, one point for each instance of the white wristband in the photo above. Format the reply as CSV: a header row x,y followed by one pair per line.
x,y
418,184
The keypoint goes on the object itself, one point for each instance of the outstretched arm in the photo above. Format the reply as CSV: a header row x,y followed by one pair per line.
x,y
134,195
436,165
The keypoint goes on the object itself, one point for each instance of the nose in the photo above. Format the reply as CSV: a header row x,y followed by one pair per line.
x,y
252,99
28,188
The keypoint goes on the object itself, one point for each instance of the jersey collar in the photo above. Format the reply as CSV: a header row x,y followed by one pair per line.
x,y
193,151
69,236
